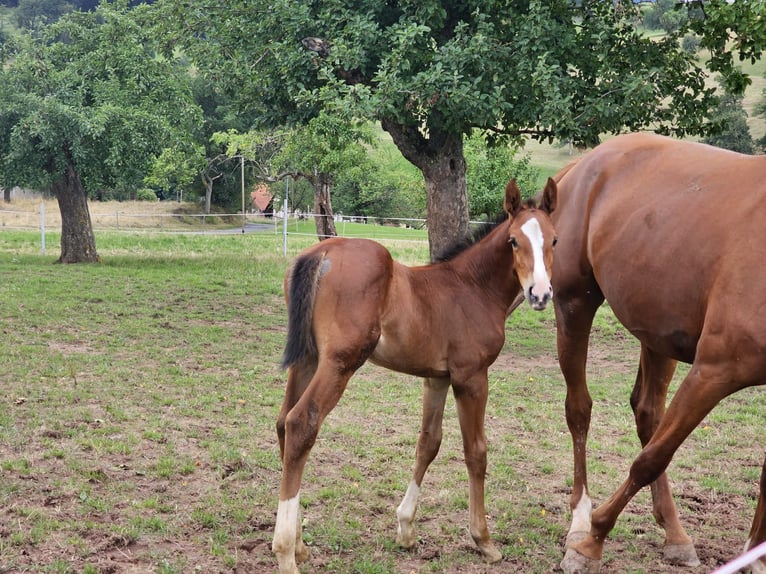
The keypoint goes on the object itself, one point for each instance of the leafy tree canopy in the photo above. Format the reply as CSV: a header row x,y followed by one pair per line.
x,y
432,71
88,105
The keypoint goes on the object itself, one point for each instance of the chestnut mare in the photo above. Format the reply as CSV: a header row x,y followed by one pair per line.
x,y
349,302
673,235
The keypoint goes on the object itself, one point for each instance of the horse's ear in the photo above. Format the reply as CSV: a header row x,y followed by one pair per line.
x,y
512,198
550,196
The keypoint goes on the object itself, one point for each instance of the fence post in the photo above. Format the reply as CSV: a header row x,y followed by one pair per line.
x,y
42,227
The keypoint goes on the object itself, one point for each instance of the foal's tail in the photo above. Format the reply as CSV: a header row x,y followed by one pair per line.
x,y
302,282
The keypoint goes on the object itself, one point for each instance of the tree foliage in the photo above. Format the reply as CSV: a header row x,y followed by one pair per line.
x,y
434,70
489,168
734,133
87,105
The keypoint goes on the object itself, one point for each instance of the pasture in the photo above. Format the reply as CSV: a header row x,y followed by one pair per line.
x,y
139,398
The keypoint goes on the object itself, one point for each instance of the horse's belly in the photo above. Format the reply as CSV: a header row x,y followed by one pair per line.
x,y
413,359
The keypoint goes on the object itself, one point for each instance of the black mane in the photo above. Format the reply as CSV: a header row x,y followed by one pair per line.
x,y
478,233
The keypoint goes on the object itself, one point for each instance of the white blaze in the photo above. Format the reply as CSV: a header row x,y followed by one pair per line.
x,y
540,282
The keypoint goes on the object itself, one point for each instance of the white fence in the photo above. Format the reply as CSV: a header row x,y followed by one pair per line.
x,y
742,561
218,223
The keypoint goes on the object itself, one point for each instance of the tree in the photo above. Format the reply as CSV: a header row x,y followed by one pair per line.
x,y
86,106
734,133
434,70
489,168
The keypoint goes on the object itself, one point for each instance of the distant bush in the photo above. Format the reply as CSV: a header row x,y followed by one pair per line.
x,y
690,44
146,194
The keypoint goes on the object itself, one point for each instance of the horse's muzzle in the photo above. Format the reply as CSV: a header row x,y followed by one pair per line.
x,y
539,302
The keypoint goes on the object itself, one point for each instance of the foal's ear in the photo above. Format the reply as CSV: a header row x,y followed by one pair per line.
x,y
512,198
550,196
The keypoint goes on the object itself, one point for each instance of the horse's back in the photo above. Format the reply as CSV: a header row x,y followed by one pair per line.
x,y
668,231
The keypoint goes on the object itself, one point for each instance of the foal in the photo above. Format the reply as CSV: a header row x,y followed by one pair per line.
x,y
349,301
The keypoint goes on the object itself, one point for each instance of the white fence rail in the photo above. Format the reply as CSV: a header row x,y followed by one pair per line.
x,y
375,228
742,561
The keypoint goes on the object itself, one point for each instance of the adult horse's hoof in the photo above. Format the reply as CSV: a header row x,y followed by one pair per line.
x,y
301,552
576,563
490,552
681,555
405,536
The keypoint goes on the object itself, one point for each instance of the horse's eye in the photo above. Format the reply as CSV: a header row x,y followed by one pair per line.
x,y
555,241
513,242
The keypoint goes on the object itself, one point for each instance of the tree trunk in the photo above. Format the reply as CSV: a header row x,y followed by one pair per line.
x,y
78,244
440,158
7,194
323,215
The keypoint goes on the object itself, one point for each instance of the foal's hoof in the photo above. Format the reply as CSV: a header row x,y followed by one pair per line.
x,y
681,555
576,563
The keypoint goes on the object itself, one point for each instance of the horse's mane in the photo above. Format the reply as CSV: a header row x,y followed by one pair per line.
x,y
478,233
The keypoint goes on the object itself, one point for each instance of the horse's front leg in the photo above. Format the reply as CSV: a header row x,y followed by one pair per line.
x,y
573,321
298,429
434,398
471,399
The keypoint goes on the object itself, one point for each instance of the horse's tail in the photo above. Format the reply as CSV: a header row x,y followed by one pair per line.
x,y
302,283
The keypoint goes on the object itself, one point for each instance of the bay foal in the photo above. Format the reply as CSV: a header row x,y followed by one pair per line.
x,y
349,302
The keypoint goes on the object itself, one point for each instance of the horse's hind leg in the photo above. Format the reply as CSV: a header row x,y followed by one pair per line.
x,y
471,399
758,529
299,429
655,372
429,441
298,379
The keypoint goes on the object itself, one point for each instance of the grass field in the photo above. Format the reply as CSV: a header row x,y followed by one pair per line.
x,y
137,429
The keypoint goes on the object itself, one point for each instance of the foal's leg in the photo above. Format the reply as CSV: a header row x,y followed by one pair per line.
x,y
434,397
758,529
655,372
471,399
297,380
574,320
700,391
301,426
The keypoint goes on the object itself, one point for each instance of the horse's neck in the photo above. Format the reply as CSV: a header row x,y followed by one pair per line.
x,y
489,264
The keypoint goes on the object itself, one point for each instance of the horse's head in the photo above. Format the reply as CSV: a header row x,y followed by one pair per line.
x,y
533,238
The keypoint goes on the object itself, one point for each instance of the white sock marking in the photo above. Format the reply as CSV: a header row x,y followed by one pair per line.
x,y
581,515
286,527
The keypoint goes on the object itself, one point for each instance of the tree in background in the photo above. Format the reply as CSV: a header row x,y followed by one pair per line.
x,y
318,152
88,106
489,168
432,71
734,133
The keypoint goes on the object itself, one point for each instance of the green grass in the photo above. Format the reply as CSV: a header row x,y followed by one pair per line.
x,y
137,427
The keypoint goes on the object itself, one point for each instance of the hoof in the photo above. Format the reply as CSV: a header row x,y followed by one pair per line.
x,y
406,539
681,555
490,553
576,563
756,567
575,537
301,553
